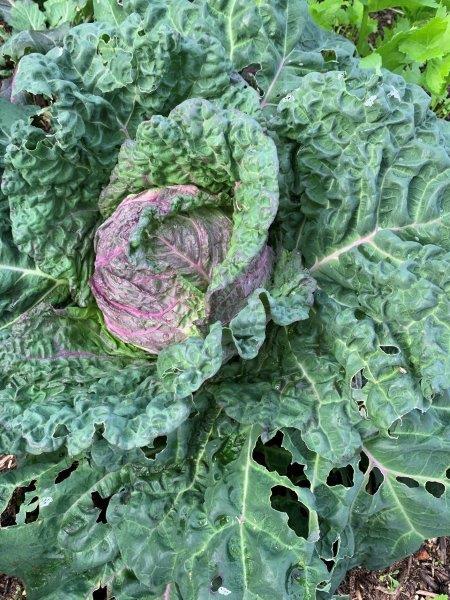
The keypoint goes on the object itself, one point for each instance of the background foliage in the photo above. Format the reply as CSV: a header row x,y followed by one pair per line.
x,y
409,37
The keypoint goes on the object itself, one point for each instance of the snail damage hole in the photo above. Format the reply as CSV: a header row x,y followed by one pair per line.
x,y
358,380
8,516
274,457
341,476
376,478
216,583
411,483
65,473
390,349
100,594
102,504
435,488
158,445
285,500
363,464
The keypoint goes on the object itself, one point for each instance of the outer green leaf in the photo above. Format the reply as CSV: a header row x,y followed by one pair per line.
x,y
73,377
58,12
376,217
184,367
376,529
280,36
212,522
292,383
22,42
43,552
22,284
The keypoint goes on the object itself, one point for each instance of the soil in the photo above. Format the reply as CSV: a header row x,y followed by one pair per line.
x,y
423,576
385,20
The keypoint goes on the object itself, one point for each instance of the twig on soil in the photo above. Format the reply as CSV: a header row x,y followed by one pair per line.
x,y
425,593
6,462
403,578
443,550
385,591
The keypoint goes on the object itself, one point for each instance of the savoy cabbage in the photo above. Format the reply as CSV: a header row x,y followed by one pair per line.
x,y
225,303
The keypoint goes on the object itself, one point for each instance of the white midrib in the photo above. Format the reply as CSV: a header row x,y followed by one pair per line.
x,y
35,272
367,239
230,28
281,65
338,253
244,506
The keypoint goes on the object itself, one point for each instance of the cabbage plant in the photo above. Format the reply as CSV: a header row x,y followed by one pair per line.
x,y
224,308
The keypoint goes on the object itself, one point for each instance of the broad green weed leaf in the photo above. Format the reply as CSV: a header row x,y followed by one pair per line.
x,y
432,40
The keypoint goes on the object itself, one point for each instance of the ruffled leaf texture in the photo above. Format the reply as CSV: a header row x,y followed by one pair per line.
x,y
332,443
65,379
100,84
22,284
374,200
375,234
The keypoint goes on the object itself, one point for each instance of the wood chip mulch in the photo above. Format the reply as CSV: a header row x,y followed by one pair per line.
x,y
423,576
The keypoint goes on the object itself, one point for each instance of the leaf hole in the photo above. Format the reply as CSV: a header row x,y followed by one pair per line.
x,y
100,594
158,445
285,500
274,457
359,314
102,504
358,380
66,473
216,583
447,473
376,478
341,476
390,349
328,55
435,488
296,473
363,464
329,564
60,432
411,483
335,547
33,515
271,454
8,516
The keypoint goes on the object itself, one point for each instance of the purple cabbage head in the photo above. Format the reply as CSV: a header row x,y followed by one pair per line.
x,y
156,257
